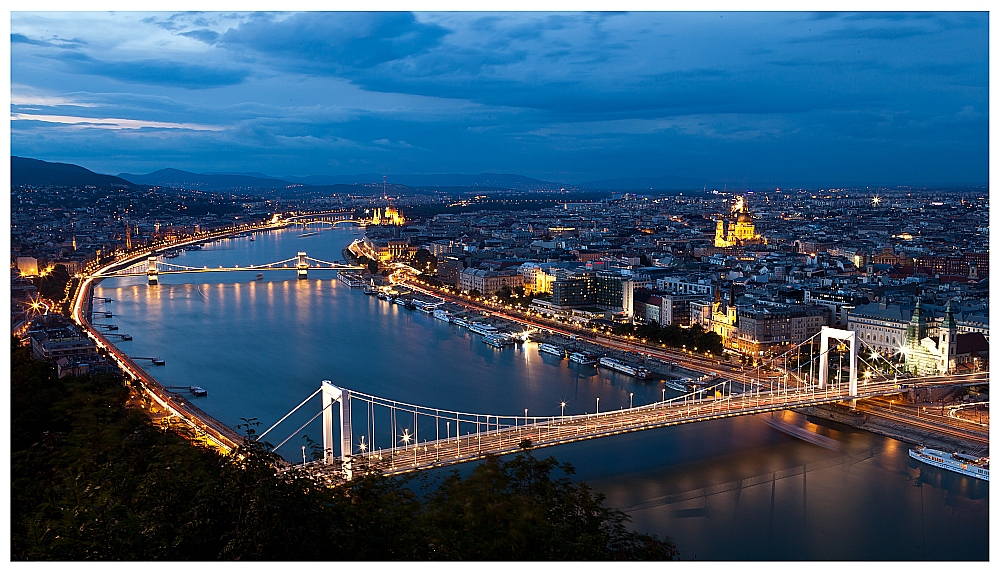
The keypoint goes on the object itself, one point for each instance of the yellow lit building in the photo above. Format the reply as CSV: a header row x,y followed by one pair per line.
x,y
738,229
391,216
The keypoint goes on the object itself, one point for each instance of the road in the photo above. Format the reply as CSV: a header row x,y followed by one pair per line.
x,y
560,430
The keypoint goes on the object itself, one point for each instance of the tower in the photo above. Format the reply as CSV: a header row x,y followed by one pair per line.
x,y
948,338
720,234
916,330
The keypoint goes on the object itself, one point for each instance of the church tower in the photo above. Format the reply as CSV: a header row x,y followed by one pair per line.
x,y
720,234
948,338
916,330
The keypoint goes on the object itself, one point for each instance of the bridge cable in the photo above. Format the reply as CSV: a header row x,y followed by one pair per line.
x,y
261,436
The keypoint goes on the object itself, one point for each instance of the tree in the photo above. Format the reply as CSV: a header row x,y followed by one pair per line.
x,y
424,261
92,478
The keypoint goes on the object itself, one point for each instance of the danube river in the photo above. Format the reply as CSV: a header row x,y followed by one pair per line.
x,y
727,489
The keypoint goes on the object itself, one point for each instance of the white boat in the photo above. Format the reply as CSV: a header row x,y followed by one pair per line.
x,y
676,385
460,322
498,340
956,462
482,328
640,372
583,358
442,315
551,349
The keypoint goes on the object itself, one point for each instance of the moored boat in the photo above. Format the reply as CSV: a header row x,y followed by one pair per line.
x,y
583,358
482,328
978,467
640,372
551,349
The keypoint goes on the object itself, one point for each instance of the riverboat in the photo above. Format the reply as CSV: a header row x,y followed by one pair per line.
x,y
551,349
171,254
352,279
676,385
583,358
640,372
305,234
957,462
460,322
260,276
498,340
197,390
192,247
442,315
482,328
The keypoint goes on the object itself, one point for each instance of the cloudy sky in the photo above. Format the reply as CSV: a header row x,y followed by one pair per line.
x,y
760,98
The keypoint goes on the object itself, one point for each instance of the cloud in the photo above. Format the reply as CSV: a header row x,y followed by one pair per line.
x,y
157,72
336,40
23,96
203,35
110,123
54,42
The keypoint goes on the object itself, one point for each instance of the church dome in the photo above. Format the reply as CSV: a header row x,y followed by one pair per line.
x,y
744,217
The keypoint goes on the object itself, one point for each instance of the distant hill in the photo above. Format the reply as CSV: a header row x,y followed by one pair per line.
x,y
665,182
24,171
208,181
496,180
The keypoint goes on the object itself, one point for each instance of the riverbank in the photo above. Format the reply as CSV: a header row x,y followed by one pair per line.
x,y
874,420
895,428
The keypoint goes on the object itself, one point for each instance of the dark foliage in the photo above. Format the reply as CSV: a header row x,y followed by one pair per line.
x,y
53,285
95,480
694,338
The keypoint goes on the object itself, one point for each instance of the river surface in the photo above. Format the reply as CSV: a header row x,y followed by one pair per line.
x,y
733,489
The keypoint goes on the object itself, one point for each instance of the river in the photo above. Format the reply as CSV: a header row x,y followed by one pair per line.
x,y
732,489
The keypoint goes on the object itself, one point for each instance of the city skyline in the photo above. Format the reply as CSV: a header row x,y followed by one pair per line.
x,y
756,98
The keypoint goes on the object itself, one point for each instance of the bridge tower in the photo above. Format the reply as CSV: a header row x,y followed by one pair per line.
x,y
303,266
851,338
333,394
152,274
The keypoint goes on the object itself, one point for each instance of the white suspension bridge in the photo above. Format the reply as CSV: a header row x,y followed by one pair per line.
x,y
360,429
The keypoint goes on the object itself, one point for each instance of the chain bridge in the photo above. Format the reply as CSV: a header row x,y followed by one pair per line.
x,y
360,429
153,267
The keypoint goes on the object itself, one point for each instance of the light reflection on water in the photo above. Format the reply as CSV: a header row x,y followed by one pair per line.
x,y
727,489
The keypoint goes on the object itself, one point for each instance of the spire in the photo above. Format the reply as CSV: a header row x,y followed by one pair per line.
x,y
916,330
949,318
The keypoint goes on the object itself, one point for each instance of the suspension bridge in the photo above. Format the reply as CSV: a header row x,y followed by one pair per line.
x,y
360,429
153,267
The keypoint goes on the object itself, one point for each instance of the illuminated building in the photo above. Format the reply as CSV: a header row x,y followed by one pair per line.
x,y
391,216
739,229
923,354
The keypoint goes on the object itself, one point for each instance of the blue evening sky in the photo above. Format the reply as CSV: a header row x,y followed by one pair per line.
x,y
760,98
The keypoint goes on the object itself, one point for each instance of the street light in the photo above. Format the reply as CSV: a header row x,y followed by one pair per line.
x,y
562,404
598,405
630,399
663,396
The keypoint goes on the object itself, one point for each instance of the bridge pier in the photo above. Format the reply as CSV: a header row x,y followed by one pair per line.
x,y
152,274
302,266
333,394
851,338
